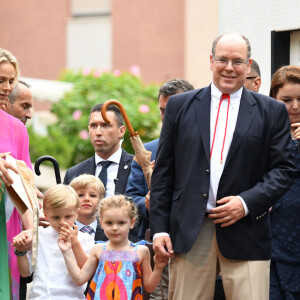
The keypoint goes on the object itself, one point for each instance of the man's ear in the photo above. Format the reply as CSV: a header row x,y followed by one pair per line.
x,y
257,84
122,131
211,62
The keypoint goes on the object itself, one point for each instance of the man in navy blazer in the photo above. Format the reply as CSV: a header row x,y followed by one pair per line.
x,y
224,158
137,186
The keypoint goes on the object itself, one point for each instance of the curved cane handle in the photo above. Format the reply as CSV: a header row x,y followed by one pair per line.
x,y
123,113
54,162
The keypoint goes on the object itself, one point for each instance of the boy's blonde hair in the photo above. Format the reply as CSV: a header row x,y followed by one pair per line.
x,y
85,180
61,196
118,201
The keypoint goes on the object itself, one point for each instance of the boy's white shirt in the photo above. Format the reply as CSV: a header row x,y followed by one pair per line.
x,y
51,279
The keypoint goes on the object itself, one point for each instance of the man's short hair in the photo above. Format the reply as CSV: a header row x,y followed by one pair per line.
x,y
112,108
15,92
174,86
255,67
215,42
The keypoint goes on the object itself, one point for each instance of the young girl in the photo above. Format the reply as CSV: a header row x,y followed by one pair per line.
x,y
51,279
120,268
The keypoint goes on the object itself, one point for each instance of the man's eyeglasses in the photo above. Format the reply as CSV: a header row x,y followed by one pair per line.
x,y
235,63
251,77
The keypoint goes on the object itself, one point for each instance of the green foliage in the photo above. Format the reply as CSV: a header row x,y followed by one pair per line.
x,y
67,139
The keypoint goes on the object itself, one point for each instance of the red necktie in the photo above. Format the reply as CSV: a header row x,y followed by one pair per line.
x,y
224,96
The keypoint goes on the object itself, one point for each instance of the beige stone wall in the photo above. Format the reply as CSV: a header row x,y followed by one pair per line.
x,y
149,34
35,32
201,27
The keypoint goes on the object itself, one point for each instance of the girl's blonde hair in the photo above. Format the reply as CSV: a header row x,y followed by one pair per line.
x,y
61,196
85,180
6,56
118,201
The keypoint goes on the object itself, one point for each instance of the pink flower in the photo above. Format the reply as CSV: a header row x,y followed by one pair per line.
x,y
128,273
117,73
77,114
144,108
84,134
135,70
86,71
97,73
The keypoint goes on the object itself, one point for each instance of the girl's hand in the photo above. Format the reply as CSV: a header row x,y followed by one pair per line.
x,y
63,245
160,263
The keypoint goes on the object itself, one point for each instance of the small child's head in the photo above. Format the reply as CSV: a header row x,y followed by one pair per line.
x,y
117,217
60,204
90,190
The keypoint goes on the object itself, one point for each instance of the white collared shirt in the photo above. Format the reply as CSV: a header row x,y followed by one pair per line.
x,y
93,225
112,170
216,167
51,279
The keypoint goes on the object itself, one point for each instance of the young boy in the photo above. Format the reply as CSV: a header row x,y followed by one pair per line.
x,y
89,190
51,279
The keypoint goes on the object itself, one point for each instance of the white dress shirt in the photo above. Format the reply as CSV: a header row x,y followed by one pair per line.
x,y
51,279
112,170
216,167
93,225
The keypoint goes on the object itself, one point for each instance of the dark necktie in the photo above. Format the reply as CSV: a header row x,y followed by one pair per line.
x,y
103,173
87,229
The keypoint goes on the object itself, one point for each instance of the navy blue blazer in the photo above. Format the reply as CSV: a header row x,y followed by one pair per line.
x,y
137,188
259,168
89,166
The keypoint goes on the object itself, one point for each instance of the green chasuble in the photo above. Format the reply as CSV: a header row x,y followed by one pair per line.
x,y
4,271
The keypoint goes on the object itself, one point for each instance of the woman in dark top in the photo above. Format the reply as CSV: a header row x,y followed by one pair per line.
x,y
285,214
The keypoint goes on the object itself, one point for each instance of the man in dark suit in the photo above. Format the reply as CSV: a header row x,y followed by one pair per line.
x,y
224,158
106,140
137,187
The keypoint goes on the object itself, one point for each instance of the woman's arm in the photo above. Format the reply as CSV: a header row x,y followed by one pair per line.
x,y
150,279
80,276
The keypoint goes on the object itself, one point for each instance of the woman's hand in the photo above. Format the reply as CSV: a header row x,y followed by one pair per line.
x,y
4,166
296,133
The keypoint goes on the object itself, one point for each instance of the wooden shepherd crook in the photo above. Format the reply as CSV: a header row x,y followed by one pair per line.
x,y
142,156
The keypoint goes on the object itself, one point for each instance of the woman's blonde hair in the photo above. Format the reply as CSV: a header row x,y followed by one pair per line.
x,y
6,56
85,180
61,196
118,201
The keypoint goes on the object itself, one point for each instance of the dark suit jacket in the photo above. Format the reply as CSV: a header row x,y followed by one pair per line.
x,y
137,188
259,168
88,167
99,234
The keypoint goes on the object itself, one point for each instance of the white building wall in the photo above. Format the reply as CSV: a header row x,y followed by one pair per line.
x,y
256,19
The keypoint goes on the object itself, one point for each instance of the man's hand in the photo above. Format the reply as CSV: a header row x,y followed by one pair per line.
x,y
147,201
229,211
163,248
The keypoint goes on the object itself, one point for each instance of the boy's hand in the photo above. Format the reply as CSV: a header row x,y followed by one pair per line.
x,y
63,245
23,241
160,264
